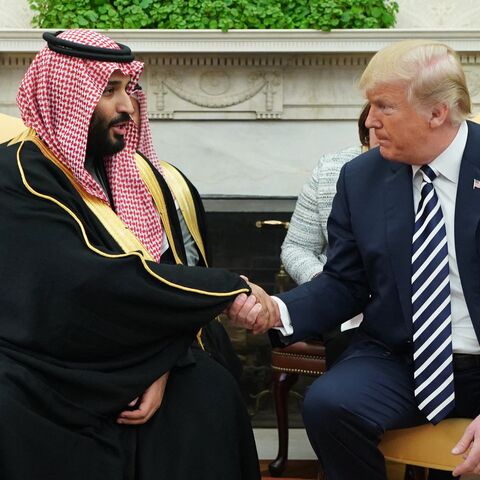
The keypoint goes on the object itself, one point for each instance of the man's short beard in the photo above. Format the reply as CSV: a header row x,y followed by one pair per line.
x,y
99,144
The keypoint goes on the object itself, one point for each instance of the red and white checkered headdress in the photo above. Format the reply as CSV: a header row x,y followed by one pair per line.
x,y
145,140
57,98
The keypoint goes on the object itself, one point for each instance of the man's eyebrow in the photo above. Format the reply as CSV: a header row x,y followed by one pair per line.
x,y
115,83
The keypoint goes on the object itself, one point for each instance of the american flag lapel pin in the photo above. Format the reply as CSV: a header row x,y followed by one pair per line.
x,y
476,183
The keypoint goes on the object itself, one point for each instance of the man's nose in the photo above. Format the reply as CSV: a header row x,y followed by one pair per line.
x,y
372,121
126,105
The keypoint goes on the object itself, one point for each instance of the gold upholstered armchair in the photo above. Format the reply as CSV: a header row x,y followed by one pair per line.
x,y
426,446
10,127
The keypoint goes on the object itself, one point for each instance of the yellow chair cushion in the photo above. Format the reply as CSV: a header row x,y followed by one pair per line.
x,y
10,127
427,445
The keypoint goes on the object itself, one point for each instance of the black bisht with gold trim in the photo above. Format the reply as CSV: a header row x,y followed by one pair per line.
x,y
84,329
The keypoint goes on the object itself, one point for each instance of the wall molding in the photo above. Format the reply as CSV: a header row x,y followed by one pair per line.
x,y
255,41
247,74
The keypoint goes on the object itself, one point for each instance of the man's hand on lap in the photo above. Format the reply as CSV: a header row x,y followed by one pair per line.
x,y
150,402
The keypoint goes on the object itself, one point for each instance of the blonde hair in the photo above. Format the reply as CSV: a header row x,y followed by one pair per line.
x,y
431,72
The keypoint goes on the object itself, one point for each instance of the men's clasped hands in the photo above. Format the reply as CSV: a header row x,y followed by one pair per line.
x,y
257,312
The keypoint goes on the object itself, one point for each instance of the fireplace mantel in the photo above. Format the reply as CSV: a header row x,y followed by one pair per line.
x,y
248,74
248,112
256,41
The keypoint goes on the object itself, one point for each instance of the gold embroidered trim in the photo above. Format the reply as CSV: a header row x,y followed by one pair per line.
x,y
148,177
23,135
126,239
182,194
20,139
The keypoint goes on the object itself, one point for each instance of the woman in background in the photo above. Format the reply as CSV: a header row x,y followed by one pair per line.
x,y
305,245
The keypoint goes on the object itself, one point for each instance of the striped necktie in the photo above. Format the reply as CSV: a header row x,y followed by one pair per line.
x,y
432,326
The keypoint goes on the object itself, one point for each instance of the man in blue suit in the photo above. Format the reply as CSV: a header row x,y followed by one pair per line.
x,y
404,249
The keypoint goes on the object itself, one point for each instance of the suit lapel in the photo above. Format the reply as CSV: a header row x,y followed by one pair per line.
x,y
467,217
399,215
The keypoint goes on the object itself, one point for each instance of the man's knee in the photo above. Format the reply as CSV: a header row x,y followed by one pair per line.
x,y
322,409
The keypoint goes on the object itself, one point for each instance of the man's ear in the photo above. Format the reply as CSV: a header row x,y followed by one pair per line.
x,y
438,115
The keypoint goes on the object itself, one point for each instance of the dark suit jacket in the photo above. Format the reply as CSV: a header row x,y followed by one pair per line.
x,y
369,259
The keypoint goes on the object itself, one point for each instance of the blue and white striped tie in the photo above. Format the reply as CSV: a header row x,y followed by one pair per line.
x,y
432,326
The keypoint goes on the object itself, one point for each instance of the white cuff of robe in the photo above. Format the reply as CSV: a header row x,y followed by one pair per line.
x,y
287,328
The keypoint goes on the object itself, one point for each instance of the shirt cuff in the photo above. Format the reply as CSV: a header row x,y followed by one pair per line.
x,y
287,328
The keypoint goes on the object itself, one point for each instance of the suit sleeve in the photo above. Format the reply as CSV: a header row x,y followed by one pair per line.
x,y
341,291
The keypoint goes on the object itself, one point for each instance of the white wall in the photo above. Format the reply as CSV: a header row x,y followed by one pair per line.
x,y
15,14
250,157
457,14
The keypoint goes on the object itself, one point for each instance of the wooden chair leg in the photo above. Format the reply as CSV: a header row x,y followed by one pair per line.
x,y
415,473
282,383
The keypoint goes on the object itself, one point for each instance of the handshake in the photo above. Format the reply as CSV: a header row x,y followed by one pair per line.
x,y
257,312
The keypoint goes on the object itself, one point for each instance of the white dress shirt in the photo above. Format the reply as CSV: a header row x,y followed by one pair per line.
x,y
447,167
